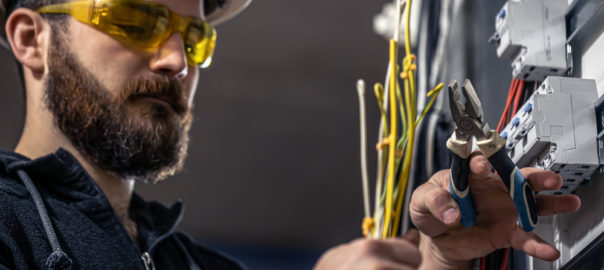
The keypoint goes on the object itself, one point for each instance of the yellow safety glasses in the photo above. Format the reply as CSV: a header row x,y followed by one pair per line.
x,y
143,24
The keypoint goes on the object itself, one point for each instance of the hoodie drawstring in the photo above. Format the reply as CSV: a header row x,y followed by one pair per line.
x,y
57,259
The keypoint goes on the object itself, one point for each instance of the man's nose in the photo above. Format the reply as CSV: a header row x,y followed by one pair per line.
x,y
170,58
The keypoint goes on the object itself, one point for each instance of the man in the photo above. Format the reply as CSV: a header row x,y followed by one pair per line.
x,y
109,90
101,114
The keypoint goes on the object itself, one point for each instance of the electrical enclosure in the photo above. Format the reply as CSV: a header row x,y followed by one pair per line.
x,y
532,34
556,130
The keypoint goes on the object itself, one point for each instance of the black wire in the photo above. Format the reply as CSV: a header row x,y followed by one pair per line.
x,y
527,92
510,259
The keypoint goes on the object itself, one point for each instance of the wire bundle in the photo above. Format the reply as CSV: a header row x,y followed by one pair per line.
x,y
514,96
518,94
394,147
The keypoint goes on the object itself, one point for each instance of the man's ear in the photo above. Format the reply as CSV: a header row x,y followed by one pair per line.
x,y
27,34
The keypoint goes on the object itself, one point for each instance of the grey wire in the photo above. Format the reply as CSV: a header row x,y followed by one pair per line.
x,y
363,135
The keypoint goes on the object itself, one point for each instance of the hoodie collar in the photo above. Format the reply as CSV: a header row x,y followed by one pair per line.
x,y
154,221
62,174
59,171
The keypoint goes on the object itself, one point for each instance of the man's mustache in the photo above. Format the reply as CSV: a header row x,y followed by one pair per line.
x,y
161,87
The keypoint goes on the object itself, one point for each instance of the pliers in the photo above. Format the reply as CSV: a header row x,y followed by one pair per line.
x,y
467,113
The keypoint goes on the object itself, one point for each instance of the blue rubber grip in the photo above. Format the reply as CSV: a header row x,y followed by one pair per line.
x,y
525,202
460,190
520,191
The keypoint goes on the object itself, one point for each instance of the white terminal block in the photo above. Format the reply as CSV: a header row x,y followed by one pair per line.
x,y
532,34
556,130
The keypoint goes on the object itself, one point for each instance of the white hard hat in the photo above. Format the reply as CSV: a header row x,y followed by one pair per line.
x,y
216,12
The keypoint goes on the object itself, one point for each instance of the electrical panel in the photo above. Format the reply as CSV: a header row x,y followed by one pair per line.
x,y
560,127
600,126
556,129
532,34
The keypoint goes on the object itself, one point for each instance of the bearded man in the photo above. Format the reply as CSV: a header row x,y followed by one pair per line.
x,y
109,86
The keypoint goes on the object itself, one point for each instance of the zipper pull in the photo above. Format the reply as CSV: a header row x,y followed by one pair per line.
x,y
147,261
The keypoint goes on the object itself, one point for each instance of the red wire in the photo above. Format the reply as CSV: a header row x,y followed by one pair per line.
x,y
511,93
504,262
514,94
518,95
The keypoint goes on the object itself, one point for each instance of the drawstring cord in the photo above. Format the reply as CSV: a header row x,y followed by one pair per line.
x,y
57,259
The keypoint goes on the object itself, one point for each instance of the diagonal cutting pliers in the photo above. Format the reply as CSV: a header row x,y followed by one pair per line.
x,y
467,113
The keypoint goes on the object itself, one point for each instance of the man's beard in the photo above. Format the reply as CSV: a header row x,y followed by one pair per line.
x,y
129,135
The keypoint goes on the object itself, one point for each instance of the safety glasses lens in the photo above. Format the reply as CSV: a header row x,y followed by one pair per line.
x,y
142,23
200,41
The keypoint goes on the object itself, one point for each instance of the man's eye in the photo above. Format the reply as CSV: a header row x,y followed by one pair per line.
x,y
133,30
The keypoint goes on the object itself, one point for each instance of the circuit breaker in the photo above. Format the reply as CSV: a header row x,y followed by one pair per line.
x,y
532,34
556,130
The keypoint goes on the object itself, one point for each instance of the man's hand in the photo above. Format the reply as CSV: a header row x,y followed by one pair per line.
x,y
437,215
394,253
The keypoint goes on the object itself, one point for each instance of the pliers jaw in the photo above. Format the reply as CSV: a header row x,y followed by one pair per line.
x,y
467,113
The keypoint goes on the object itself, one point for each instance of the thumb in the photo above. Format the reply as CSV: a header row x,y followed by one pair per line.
x,y
412,236
432,209
480,167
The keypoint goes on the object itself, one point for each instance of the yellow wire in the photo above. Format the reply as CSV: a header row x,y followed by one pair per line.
x,y
378,88
393,196
401,109
410,102
392,139
434,94
407,33
402,183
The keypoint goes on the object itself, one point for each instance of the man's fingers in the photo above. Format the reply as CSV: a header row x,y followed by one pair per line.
x,y
533,245
412,236
381,264
402,251
480,167
541,179
392,253
433,210
548,205
397,250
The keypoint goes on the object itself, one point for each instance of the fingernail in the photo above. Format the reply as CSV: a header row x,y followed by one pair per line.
x,y
450,215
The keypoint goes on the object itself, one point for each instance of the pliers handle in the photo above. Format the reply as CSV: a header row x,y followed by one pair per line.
x,y
460,190
520,191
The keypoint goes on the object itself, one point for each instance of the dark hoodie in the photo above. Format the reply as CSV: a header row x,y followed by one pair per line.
x,y
54,216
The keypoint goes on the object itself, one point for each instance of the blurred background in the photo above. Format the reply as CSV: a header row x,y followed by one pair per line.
x,y
273,173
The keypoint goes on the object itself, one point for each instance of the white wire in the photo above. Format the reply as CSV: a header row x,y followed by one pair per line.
x,y
443,36
397,28
362,118
422,52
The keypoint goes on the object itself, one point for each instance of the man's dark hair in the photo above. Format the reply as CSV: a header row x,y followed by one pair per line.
x,y
7,7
